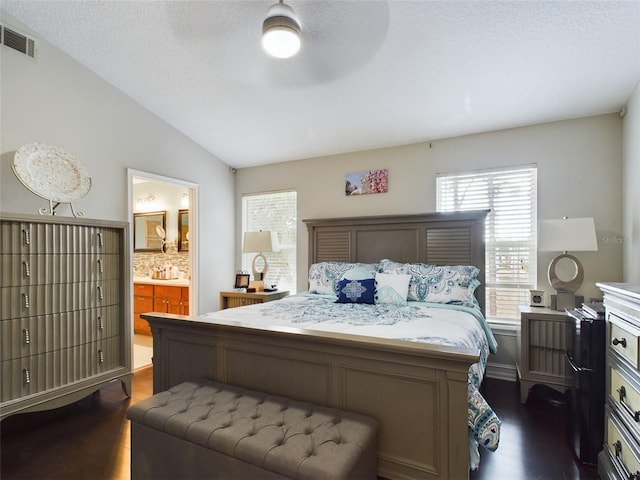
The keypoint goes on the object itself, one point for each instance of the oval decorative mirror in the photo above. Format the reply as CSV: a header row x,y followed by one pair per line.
x,y
148,229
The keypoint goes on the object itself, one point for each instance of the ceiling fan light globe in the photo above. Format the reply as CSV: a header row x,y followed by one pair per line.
x,y
281,41
281,31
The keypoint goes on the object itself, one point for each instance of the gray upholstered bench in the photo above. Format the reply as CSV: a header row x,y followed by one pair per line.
x,y
206,429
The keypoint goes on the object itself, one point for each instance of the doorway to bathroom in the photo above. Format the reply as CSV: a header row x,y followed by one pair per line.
x,y
163,251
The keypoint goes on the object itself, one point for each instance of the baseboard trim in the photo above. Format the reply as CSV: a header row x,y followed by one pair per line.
x,y
501,371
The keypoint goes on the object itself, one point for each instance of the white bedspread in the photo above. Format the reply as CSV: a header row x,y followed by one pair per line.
x,y
430,323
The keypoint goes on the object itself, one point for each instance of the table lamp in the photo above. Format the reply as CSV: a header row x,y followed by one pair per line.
x,y
260,242
564,235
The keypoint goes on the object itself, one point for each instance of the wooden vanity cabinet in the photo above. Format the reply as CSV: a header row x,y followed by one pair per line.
x,y
171,299
142,303
157,298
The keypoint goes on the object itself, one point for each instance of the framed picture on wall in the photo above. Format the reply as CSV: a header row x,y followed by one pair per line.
x,y
362,183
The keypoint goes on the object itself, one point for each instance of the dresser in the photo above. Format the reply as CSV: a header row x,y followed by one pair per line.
x,y
65,326
545,335
240,299
620,457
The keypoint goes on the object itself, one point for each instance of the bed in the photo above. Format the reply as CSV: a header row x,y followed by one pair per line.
x,y
420,392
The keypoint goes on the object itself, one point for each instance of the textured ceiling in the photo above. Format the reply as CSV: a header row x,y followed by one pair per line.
x,y
370,73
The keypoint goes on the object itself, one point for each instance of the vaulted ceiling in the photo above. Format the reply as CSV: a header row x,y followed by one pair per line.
x,y
370,74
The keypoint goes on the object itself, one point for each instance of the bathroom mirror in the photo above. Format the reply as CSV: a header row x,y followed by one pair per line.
x,y
147,231
183,230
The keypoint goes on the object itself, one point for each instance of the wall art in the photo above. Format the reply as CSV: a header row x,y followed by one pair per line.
x,y
371,181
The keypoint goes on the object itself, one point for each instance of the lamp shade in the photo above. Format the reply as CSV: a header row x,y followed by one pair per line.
x,y
258,242
567,235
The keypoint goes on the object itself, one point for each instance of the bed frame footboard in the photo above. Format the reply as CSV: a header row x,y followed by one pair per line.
x,y
417,392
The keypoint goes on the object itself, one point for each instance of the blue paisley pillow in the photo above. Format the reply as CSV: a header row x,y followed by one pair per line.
x,y
356,291
438,284
324,276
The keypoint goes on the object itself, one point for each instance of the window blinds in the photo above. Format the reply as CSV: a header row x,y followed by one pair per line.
x,y
274,212
511,229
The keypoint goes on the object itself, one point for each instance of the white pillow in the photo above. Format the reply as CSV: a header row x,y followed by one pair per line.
x,y
392,288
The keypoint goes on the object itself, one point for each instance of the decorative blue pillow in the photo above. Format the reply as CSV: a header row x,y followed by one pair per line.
x,y
324,276
356,291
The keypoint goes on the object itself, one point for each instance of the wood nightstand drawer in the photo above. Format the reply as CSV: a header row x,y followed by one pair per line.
x,y
241,299
241,302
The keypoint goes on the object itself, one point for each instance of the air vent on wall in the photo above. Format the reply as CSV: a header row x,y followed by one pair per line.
x,y
17,41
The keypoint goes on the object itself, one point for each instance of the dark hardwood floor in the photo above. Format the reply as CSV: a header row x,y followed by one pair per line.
x,y
533,438
86,440
90,439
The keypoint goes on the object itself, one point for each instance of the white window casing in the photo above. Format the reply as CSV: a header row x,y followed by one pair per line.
x,y
273,211
510,233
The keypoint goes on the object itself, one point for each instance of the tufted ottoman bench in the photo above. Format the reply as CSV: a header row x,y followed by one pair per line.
x,y
207,429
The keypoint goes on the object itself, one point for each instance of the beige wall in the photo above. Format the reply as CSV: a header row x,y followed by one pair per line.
x,y
631,203
55,100
579,174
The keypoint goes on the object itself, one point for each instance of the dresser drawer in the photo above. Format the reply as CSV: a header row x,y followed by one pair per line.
x,y
625,395
48,371
23,337
621,448
26,237
623,339
32,300
32,269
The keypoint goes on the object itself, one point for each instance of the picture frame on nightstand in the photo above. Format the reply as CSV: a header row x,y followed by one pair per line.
x,y
242,281
536,298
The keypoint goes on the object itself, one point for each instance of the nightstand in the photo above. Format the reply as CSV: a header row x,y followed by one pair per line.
x,y
240,299
545,334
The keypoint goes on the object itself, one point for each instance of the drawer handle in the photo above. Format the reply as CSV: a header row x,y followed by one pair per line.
x,y
25,300
26,376
26,268
622,341
99,235
100,356
100,269
26,237
100,324
100,294
617,459
26,336
622,393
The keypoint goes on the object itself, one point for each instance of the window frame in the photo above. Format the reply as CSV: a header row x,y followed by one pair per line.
x,y
287,239
504,291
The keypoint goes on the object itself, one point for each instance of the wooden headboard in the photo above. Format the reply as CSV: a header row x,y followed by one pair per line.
x,y
435,238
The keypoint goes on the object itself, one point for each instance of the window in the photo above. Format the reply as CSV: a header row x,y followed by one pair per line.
x,y
510,231
275,212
